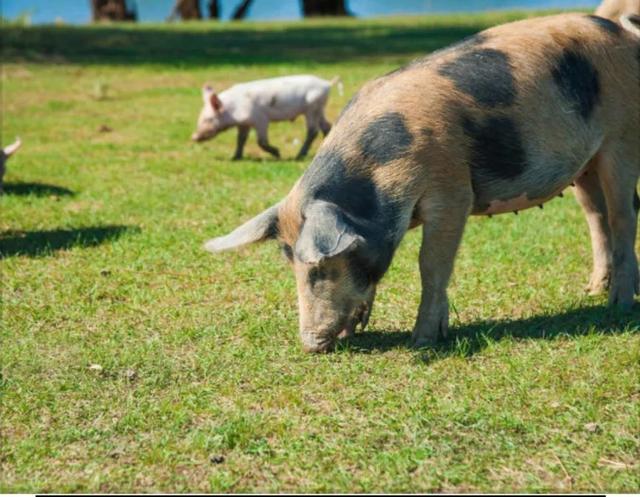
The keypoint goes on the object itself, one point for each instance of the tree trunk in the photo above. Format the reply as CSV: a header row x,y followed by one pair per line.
x,y
314,8
214,9
241,10
111,10
186,9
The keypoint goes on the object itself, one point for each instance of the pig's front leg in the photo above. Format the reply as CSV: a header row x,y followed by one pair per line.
x,y
444,220
243,134
262,126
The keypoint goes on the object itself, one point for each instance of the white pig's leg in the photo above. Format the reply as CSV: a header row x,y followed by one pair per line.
x,y
262,125
312,132
325,125
243,134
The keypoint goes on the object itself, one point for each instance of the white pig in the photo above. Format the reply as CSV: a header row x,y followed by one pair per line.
x,y
256,103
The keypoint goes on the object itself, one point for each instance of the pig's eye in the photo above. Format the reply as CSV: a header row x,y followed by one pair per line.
x,y
315,274
288,253
362,272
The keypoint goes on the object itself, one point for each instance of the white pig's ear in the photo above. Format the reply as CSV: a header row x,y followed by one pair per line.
x,y
326,233
262,227
216,103
211,98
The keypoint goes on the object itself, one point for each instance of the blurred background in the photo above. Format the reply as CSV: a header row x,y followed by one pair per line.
x,y
79,11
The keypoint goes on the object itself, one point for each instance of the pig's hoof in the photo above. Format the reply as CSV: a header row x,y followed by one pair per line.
x,y
236,157
430,329
598,284
419,342
621,294
429,336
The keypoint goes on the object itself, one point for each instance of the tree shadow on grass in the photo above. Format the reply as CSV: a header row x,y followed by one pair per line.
x,y
45,242
469,339
36,189
242,45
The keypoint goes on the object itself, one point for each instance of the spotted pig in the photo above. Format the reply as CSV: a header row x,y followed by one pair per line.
x,y
502,121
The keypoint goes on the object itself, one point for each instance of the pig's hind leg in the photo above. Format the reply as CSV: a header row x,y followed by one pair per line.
x,y
263,138
618,170
590,195
312,132
325,125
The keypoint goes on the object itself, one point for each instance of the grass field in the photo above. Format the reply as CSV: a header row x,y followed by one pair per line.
x,y
132,360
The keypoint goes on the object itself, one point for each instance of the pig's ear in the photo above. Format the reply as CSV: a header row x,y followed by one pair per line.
x,y
262,227
326,233
211,98
216,103
11,149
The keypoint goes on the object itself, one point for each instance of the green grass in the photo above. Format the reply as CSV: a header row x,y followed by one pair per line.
x,y
132,360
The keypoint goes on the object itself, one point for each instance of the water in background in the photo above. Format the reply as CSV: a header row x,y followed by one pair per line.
x,y
78,11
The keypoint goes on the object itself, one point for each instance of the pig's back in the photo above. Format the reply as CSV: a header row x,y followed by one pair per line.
x,y
506,68
284,86
282,98
511,104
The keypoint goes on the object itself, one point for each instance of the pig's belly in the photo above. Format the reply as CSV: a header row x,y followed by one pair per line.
x,y
515,204
286,110
500,195
283,114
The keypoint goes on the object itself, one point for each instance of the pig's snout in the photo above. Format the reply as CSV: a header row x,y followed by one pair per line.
x,y
321,342
313,343
196,137
359,317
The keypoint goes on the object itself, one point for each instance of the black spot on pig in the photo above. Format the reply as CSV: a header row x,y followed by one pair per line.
x,y
462,45
313,276
605,24
363,270
320,273
371,213
287,251
496,151
578,81
272,103
636,202
328,179
386,138
485,74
